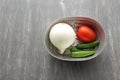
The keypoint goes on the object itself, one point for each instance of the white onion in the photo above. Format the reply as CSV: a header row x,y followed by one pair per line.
x,y
62,36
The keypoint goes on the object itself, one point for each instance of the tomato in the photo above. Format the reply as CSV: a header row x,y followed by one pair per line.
x,y
86,34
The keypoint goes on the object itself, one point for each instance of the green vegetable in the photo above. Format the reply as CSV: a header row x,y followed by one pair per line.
x,y
80,54
88,45
74,49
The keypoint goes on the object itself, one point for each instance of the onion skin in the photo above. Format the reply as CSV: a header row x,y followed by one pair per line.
x,y
62,36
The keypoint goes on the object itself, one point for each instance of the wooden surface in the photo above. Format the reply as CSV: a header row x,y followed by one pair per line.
x,y
22,51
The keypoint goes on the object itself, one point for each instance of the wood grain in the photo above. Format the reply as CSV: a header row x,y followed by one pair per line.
x,y
22,51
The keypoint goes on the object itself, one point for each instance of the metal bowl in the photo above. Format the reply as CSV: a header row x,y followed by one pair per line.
x,y
75,22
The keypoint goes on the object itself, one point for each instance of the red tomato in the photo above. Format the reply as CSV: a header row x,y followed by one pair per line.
x,y
86,34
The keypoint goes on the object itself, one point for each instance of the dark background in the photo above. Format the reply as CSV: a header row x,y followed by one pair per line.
x,y
22,30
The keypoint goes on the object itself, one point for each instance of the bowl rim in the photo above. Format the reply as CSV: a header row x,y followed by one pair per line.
x,y
74,59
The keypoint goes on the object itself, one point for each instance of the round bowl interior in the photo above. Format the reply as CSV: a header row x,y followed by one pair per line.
x,y
75,22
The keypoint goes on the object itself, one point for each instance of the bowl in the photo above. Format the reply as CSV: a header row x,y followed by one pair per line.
x,y
75,22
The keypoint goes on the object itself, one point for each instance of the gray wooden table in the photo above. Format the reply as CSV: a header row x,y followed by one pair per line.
x,y
22,29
